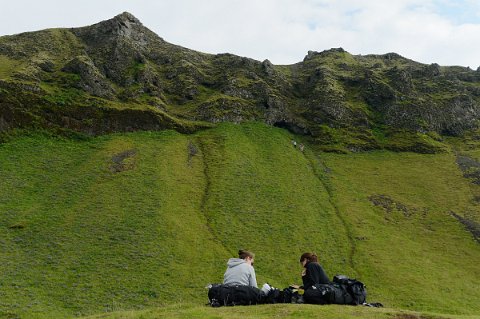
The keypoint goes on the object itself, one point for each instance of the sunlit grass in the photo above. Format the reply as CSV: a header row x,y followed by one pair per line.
x,y
147,219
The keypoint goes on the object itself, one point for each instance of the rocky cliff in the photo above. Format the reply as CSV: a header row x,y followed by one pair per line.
x,y
118,75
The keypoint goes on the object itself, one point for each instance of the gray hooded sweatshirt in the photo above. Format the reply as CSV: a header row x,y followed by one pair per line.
x,y
239,273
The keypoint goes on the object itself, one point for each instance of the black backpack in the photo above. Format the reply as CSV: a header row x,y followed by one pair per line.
x,y
340,295
289,295
353,287
273,296
342,291
319,294
223,295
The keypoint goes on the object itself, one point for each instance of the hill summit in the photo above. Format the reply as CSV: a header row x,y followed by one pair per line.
x,y
117,75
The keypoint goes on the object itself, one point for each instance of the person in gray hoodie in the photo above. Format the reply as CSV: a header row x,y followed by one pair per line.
x,y
240,270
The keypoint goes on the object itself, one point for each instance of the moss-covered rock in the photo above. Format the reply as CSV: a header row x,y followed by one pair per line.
x,y
91,80
360,99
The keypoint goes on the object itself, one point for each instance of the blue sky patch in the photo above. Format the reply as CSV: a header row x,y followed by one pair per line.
x,y
459,12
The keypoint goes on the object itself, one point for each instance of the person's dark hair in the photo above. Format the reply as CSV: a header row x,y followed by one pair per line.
x,y
242,254
310,257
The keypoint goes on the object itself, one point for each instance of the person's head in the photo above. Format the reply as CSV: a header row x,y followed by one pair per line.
x,y
308,258
247,256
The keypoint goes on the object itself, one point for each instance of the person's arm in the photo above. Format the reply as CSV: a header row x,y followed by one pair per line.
x,y
322,276
313,273
253,279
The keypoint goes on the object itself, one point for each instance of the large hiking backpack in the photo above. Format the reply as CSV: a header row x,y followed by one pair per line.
x,y
320,294
342,291
353,287
340,295
223,295
332,293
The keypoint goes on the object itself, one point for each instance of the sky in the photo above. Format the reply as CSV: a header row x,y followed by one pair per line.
x,y
446,32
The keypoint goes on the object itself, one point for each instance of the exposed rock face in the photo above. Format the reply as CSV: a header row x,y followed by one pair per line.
x,y
470,168
91,80
470,225
123,26
116,45
390,205
121,61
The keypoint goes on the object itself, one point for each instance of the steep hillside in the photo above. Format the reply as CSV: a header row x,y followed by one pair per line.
x,y
128,221
118,76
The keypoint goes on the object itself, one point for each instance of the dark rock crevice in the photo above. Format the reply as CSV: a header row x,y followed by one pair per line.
x,y
469,167
470,225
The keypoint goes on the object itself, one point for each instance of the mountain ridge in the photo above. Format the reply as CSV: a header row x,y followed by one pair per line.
x,y
339,100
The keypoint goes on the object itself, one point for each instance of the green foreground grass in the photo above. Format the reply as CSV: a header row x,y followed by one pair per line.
x,y
147,219
186,311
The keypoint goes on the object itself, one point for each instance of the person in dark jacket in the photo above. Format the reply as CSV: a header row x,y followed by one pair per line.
x,y
313,272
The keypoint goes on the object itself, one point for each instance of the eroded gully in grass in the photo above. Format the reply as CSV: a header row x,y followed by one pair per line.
x,y
324,180
206,193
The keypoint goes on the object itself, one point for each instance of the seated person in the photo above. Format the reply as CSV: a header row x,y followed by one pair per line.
x,y
313,272
240,270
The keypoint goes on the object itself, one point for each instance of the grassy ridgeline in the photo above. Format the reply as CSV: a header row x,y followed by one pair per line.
x,y
147,219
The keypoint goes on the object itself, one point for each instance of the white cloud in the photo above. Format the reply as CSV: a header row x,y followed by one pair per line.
x,y
281,30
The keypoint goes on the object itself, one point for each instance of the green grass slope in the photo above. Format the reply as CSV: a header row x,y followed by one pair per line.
x,y
409,237
187,311
147,219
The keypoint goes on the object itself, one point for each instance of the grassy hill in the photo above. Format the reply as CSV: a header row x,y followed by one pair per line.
x,y
137,223
146,219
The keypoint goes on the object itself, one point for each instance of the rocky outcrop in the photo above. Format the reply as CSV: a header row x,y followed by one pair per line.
x,y
90,78
117,45
469,167
123,62
123,26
